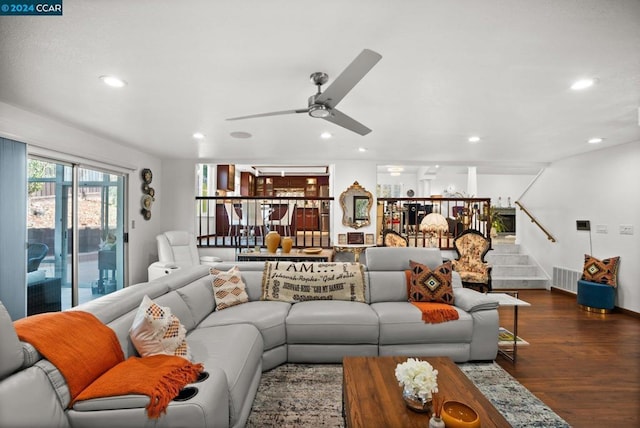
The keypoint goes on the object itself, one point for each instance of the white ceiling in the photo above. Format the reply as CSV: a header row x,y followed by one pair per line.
x,y
449,70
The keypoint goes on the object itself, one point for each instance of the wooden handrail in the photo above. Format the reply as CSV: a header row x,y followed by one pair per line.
x,y
533,220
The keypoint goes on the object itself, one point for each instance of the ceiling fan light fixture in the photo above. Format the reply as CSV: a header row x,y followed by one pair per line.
x,y
318,110
325,135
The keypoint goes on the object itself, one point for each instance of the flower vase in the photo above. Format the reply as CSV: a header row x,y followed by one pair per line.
x,y
287,244
415,402
273,240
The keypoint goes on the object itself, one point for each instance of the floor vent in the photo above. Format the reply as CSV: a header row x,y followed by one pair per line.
x,y
566,279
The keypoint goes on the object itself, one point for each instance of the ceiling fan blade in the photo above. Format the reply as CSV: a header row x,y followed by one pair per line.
x,y
347,122
273,113
351,75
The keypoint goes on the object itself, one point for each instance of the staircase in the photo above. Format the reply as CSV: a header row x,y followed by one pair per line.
x,y
514,270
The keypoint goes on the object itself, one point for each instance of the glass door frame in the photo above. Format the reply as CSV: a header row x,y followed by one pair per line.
x,y
66,213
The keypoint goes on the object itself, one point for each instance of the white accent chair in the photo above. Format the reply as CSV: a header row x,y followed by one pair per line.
x,y
252,218
177,249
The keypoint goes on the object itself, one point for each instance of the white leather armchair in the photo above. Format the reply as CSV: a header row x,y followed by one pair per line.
x,y
177,249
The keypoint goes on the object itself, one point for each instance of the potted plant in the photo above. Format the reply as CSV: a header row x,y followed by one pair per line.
x,y
497,222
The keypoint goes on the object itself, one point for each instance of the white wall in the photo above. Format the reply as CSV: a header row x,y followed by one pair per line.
x,y
39,131
492,186
600,186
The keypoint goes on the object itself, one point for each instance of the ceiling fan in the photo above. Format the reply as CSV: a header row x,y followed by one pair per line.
x,y
322,104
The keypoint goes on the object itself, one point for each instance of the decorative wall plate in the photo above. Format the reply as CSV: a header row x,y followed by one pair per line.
x,y
147,175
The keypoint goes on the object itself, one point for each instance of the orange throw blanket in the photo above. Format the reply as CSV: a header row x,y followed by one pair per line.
x,y
76,342
161,377
89,356
432,312
436,312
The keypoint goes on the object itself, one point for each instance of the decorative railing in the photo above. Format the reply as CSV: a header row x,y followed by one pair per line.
x,y
242,222
406,216
537,223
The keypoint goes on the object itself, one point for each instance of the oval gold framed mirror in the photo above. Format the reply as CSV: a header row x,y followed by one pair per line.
x,y
356,204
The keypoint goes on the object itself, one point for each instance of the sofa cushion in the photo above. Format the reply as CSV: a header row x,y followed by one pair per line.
x,y
237,350
401,323
155,330
332,322
397,258
198,297
179,308
431,285
29,400
268,317
603,271
228,287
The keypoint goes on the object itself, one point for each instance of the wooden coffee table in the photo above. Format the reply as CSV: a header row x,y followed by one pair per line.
x,y
373,398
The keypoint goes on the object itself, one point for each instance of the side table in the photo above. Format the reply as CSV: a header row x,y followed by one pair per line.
x,y
356,249
510,298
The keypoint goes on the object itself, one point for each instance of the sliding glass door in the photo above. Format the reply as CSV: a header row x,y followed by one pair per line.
x,y
64,198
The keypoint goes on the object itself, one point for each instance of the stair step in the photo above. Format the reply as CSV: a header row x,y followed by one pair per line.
x,y
515,271
503,283
507,259
505,248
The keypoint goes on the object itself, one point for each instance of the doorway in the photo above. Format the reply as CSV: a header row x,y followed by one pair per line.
x,y
65,198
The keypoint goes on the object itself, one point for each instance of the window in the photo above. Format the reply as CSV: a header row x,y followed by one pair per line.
x,y
71,271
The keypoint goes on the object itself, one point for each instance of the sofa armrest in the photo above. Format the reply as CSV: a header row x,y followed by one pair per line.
x,y
472,301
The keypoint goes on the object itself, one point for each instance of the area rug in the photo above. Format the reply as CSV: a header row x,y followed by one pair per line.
x,y
310,395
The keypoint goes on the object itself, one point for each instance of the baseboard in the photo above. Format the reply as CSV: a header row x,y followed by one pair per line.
x,y
616,309
562,291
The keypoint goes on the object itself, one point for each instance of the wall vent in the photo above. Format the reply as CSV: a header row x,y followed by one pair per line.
x,y
566,279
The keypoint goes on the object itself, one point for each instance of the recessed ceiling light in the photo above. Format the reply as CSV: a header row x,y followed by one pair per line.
x,y
395,169
362,149
113,81
595,140
240,134
198,136
394,174
325,135
474,139
583,84
437,166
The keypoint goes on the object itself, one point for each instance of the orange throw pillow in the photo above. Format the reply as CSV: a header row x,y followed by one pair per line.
x,y
431,285
601,271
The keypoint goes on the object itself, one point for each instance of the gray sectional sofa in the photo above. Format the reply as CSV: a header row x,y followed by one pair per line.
x,y
238,343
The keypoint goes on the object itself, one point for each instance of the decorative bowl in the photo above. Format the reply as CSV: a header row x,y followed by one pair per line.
x,y
458,415
312,250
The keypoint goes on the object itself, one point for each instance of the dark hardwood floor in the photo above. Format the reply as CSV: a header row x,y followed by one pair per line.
x,y
585,366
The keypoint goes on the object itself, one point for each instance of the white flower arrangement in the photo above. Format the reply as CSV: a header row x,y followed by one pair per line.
x,y
417,377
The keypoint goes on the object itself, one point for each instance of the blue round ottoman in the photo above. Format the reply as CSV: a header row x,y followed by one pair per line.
x,y
596,297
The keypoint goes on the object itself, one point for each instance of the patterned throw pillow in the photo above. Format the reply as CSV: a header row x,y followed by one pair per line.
x,y
156,331
431,286
601,271
228,288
